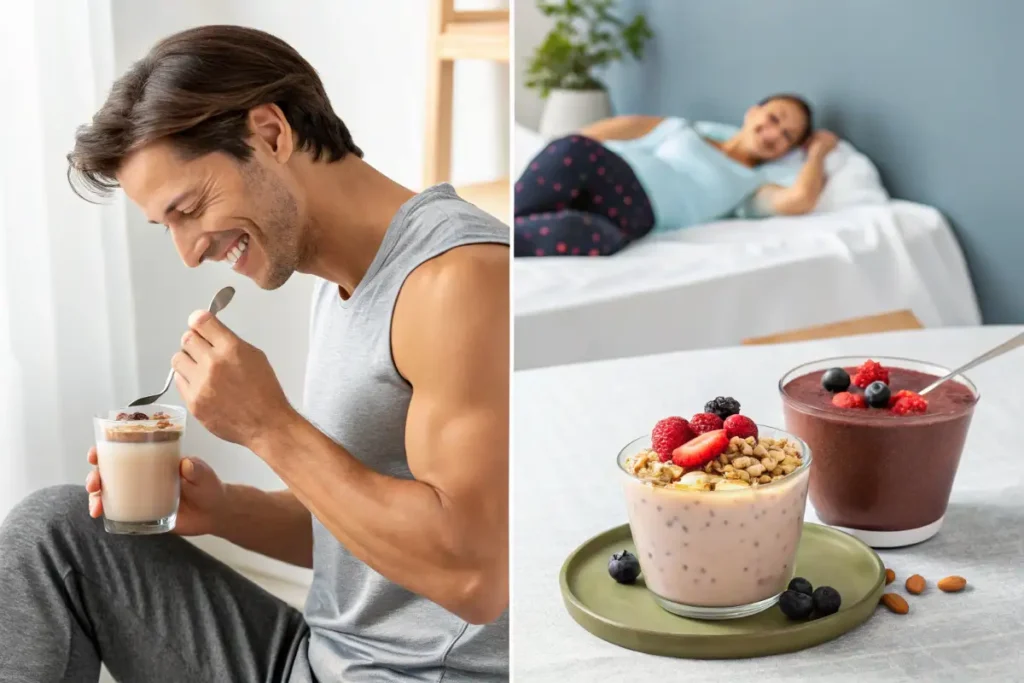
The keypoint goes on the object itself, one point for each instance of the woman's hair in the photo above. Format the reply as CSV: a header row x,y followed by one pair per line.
x,y
804,106
195,89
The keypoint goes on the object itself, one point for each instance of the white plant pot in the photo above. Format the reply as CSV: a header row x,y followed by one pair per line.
x,y
567,111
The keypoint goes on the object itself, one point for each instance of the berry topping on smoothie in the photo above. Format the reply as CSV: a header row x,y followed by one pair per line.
x,y
702,423
877,395
668,435
869,372
723,406
741,426
845,399
835,380
701,450
905,402
731,457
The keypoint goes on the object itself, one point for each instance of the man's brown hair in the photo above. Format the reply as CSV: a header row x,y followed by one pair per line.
x,y
195,89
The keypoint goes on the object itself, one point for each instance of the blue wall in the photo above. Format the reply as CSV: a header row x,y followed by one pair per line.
x,y
931,90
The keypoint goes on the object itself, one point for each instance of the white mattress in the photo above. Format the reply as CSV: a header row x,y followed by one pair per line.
x,y
717,284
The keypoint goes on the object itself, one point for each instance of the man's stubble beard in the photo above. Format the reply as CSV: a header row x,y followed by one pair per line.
x,y
282,232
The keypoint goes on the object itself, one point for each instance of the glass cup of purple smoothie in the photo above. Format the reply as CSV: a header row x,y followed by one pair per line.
x,y
881,476
722,554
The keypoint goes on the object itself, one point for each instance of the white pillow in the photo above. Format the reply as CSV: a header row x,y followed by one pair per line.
x,y
853,180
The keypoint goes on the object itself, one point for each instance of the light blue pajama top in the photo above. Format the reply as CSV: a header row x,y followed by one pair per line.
x,y
688,180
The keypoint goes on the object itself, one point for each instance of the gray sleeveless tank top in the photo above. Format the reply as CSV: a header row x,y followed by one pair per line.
x,y
363,626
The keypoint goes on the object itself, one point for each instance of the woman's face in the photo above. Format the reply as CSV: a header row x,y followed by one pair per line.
x,y
772,129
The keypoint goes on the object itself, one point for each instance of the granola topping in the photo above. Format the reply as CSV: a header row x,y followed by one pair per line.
x,y
748,462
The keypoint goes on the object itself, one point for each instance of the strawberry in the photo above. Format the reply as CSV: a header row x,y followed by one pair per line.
x,y
701,450
844,399
905,401
668,435
869,372
701,423
741,426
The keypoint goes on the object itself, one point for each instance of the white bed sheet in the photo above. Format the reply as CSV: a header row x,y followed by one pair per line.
x,y
717,284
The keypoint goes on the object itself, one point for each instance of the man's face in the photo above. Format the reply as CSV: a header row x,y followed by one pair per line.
x,y
219,209
770,130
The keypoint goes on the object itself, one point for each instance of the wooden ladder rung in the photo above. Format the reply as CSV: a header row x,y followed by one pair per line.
x,y
479,34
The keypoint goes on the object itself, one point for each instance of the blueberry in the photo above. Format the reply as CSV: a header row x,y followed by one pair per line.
x,y
826,601
835,380
624,567
796,605
801,585
877,395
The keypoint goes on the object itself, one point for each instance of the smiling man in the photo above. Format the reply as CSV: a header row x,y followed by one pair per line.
x,y
397,467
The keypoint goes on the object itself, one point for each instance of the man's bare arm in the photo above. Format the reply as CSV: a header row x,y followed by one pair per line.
x,y
272,523
621,127
443,535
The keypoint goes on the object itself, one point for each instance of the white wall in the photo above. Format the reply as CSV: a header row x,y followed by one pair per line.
x,y
530,28
371,57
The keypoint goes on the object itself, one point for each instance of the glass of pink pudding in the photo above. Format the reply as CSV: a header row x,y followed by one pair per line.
x,y
139,454
721,554
881,476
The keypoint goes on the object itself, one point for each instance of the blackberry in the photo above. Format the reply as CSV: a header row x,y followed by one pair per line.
x,y
723,406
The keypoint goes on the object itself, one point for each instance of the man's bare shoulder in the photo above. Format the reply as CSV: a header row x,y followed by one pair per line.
x,y
455,305
459,273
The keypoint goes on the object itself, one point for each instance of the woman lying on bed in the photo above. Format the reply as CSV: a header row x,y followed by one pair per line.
x,y
592,193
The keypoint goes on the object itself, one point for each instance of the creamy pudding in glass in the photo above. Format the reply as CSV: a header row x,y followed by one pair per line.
x,y
714,544
139,455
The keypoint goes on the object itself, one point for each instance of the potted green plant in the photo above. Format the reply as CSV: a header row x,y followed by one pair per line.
x,y
587,35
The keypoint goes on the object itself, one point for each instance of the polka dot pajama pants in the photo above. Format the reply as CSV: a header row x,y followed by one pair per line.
x,y
577,198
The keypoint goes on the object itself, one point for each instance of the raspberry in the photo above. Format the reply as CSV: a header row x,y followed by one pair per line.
x,y
668,435
702,423
870,372
845,399
741,426
904,402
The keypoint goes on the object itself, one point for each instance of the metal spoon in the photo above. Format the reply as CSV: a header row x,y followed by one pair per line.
x,y
1008,345
219,303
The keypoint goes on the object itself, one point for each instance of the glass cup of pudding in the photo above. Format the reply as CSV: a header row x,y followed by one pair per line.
x,y
881,476
717,553
139,456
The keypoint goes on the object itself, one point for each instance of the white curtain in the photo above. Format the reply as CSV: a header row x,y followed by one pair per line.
x,y
66,312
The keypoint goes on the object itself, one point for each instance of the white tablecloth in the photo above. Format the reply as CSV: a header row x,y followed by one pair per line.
x,y
570,422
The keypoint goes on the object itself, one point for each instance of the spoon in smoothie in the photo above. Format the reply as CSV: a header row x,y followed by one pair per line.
x,y
1008,345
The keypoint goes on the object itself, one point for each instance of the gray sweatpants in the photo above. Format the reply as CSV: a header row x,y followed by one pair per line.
x,y
153,609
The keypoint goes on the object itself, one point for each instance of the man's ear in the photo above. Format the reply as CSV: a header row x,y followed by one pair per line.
x,y
270,127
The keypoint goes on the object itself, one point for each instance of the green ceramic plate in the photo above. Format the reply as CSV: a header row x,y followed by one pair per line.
x,y
628,615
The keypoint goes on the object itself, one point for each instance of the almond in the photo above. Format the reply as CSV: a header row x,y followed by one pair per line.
x,y
890,576
895,603
915,584
952,584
